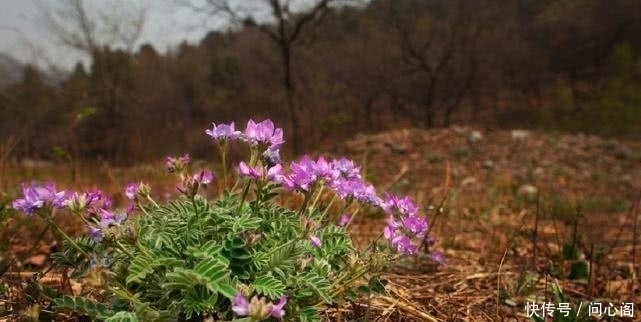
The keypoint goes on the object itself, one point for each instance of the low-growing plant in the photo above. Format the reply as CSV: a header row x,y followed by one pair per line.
x,y
241,256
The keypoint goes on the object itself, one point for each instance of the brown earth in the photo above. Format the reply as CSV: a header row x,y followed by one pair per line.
x,y
502,204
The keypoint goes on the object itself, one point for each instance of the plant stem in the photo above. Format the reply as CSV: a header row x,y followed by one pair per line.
x,y
153,202
66,237
320,192
223,157
352,217
329,205
242,199
305,202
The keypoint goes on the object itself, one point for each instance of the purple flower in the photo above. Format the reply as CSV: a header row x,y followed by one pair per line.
x,y
271,157
356,189
94,205
404,244
324,170
346,168
240,305
177,164
316,241
389,232
302,175
366,193
106,214
277,310
247,171
344,220
223,132
405,206
275,174
264,133
37,196
132,190
417,225
205,177
397,237
107,219
95,234
438,257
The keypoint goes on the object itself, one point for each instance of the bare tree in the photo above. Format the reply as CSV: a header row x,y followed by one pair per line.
x,y
108,34
428,46
283,21
78,26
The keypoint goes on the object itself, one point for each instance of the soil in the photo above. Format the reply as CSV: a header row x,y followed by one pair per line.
x,y
504,205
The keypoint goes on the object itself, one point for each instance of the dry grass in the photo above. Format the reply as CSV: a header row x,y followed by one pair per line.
x,y
503,252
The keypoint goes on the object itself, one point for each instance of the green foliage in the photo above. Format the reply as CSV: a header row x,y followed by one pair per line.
x,y
187,259
79,304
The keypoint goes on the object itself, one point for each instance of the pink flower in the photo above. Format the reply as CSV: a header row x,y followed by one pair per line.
x,y
277,309
247,171
205,177
316,241
344,220
223,132
264,133
240,305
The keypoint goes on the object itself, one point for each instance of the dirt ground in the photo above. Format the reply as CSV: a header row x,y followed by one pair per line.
x,y
505,206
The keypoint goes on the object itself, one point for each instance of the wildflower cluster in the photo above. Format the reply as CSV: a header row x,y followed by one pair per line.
x,y
38,196
237,255
406,230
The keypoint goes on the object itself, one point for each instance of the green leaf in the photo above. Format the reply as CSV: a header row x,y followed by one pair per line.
x,y
141,266
83,306
319,284
580,270
213,271
210,249
123,316
309,314
377,285
284,259
570,251
269,286
226,289
182,279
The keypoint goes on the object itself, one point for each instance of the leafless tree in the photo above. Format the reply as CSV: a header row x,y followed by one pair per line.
x,y
77,25
428,47
283,21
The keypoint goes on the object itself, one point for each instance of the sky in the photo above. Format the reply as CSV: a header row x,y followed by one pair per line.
x,y
24,38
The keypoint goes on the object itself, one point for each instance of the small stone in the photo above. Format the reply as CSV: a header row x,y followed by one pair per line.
x,y
528,191
468,182
520,134
538,172
475,136
488,164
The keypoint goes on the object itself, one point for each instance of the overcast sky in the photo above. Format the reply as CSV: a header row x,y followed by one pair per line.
x,y
20,35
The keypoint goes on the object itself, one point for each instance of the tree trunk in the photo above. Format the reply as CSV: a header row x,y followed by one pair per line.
x,y
290,93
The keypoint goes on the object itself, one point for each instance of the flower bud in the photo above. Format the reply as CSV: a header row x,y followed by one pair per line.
x,y
78,203
144,189
245,290
259,309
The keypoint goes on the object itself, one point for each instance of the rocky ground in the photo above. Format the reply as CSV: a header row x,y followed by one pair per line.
x,y
574,165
